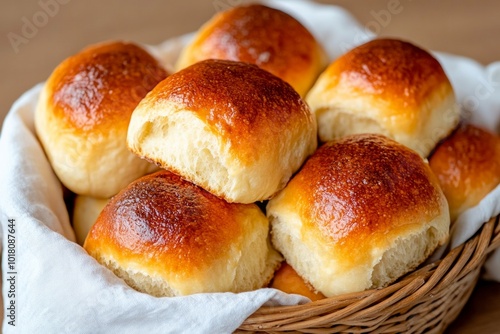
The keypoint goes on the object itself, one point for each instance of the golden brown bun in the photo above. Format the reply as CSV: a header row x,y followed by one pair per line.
x,y
167,237
85,212
363,211
263,36
467,165
287,280
388,87
83,114
230,127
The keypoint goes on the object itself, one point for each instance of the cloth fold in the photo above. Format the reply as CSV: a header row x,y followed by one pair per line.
x,y
60,289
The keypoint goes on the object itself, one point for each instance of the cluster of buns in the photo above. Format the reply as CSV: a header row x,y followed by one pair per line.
x,y
243,184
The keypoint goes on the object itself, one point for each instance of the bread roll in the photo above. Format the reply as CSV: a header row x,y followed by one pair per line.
x,y
263,36
83,113
363,211
467,165
230,127
167,237
85,212
389,87
287,280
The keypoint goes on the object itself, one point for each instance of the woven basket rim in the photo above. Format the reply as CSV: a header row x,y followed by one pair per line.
x,y
437,291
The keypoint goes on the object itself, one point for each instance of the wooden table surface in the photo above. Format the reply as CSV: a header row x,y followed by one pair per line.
x,y
470,28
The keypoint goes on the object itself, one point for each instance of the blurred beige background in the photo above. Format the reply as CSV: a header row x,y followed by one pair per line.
x,y
467,28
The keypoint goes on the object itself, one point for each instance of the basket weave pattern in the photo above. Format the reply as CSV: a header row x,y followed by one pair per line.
x,y
425,301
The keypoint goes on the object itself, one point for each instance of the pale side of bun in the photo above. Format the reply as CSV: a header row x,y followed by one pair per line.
x,y
266,37
287,280
167,237
229,127
363,211
467,165
389,87
85,212
83,113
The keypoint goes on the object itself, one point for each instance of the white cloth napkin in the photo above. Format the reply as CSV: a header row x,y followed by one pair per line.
x,y
60,289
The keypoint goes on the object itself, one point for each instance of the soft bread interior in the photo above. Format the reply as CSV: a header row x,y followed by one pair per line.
x,y
136,279
405,254
318,262
438,115
163,140
180,141
336,123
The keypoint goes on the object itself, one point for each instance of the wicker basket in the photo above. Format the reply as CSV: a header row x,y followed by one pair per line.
x,y
425,301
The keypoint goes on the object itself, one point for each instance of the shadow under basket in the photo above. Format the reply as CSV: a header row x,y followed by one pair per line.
x,y
424,301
